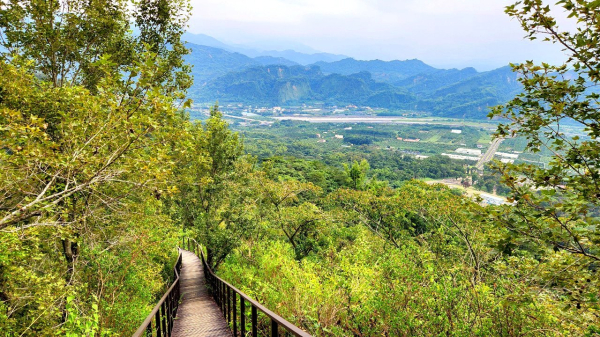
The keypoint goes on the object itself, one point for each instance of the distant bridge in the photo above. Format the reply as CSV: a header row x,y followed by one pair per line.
x,y
199,303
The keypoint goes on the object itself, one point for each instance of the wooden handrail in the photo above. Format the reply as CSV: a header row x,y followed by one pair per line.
x,y
221,292
160,320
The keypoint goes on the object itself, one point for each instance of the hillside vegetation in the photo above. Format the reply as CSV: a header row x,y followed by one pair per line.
x,y
102,173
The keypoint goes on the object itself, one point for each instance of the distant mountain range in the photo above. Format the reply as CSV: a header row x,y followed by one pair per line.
x,y
209,63
390,72
224,74
291,55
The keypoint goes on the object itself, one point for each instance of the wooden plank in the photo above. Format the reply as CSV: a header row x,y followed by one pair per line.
x,y
198,314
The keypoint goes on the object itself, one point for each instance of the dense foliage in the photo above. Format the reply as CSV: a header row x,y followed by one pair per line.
x,y
101,173
89,130
555,209
402,263
295,145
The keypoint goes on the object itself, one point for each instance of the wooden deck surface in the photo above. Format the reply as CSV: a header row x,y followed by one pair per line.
x,y
198,314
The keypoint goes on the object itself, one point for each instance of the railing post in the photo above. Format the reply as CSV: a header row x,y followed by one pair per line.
x,y
220,286
157,319
274,328
169,314
228,304
254,318
177,292
160,322
215,292
220,295
224,305
234,314
163,322
218,292
242,316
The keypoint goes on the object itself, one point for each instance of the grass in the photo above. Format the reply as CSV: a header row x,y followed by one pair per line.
x,y
485,139
436,138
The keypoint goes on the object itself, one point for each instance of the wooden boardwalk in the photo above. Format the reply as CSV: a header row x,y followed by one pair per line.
x,y
198,314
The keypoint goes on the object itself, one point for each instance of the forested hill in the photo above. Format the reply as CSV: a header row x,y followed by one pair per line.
x,y
210,63
382,71
281,85
469,93
406,85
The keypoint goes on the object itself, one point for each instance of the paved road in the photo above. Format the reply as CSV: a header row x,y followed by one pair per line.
x,y
386,120
489,154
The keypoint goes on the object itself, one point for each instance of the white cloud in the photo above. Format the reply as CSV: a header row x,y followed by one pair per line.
x,y
442,32
275,11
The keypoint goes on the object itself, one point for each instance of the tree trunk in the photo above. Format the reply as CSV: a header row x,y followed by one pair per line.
x,y
3,295
70,251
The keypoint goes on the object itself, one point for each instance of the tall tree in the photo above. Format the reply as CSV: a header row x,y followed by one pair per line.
x,y
213,178
555,212
356,174
88,115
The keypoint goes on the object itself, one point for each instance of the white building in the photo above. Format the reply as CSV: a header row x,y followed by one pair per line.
x,y
339,136
507,155
471,152
492,200
459,157
458,132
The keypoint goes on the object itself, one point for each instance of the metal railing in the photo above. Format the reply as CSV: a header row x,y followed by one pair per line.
x,y
160,321
228,297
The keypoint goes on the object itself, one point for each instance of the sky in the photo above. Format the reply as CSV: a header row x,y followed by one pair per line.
x,y
442,33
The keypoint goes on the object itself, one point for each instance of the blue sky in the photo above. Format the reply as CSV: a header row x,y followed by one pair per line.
x,y
443,33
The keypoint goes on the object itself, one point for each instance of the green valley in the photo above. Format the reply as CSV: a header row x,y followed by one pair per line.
x,y
146,182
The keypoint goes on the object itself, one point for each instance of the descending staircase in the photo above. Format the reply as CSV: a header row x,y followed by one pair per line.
x,y
199,303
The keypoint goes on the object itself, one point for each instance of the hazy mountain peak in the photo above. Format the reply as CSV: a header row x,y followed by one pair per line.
x,y
383,71
304,58
204,40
